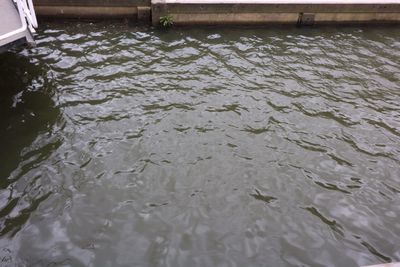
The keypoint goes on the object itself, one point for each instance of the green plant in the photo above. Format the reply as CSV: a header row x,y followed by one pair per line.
x,y
166,21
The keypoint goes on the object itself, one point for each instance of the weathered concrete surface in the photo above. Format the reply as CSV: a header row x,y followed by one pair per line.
x,y
208,12
95,3
280,18
144,14
86,12
212,12
279,1
93,8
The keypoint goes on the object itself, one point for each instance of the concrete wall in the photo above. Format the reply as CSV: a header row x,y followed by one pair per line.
x,y
269,12
212,12
132,9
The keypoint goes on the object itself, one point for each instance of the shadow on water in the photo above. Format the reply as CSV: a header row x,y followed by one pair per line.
x,y
26,109
27,116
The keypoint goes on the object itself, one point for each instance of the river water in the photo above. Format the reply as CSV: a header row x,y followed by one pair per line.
x,y
124,145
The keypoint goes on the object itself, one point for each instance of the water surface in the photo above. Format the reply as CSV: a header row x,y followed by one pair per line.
x,y
128,146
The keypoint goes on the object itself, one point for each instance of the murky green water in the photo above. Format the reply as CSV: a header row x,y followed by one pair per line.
x,y
126,146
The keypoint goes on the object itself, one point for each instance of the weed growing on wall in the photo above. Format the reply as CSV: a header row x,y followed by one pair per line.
x,y
166,21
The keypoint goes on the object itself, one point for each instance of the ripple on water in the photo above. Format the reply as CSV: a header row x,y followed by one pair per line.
x,y
130,146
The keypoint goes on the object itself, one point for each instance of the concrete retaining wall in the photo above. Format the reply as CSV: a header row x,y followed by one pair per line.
x,y
213,12
132,9
276,12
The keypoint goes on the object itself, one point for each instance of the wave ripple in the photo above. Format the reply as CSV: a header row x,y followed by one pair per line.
x,y
203,147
